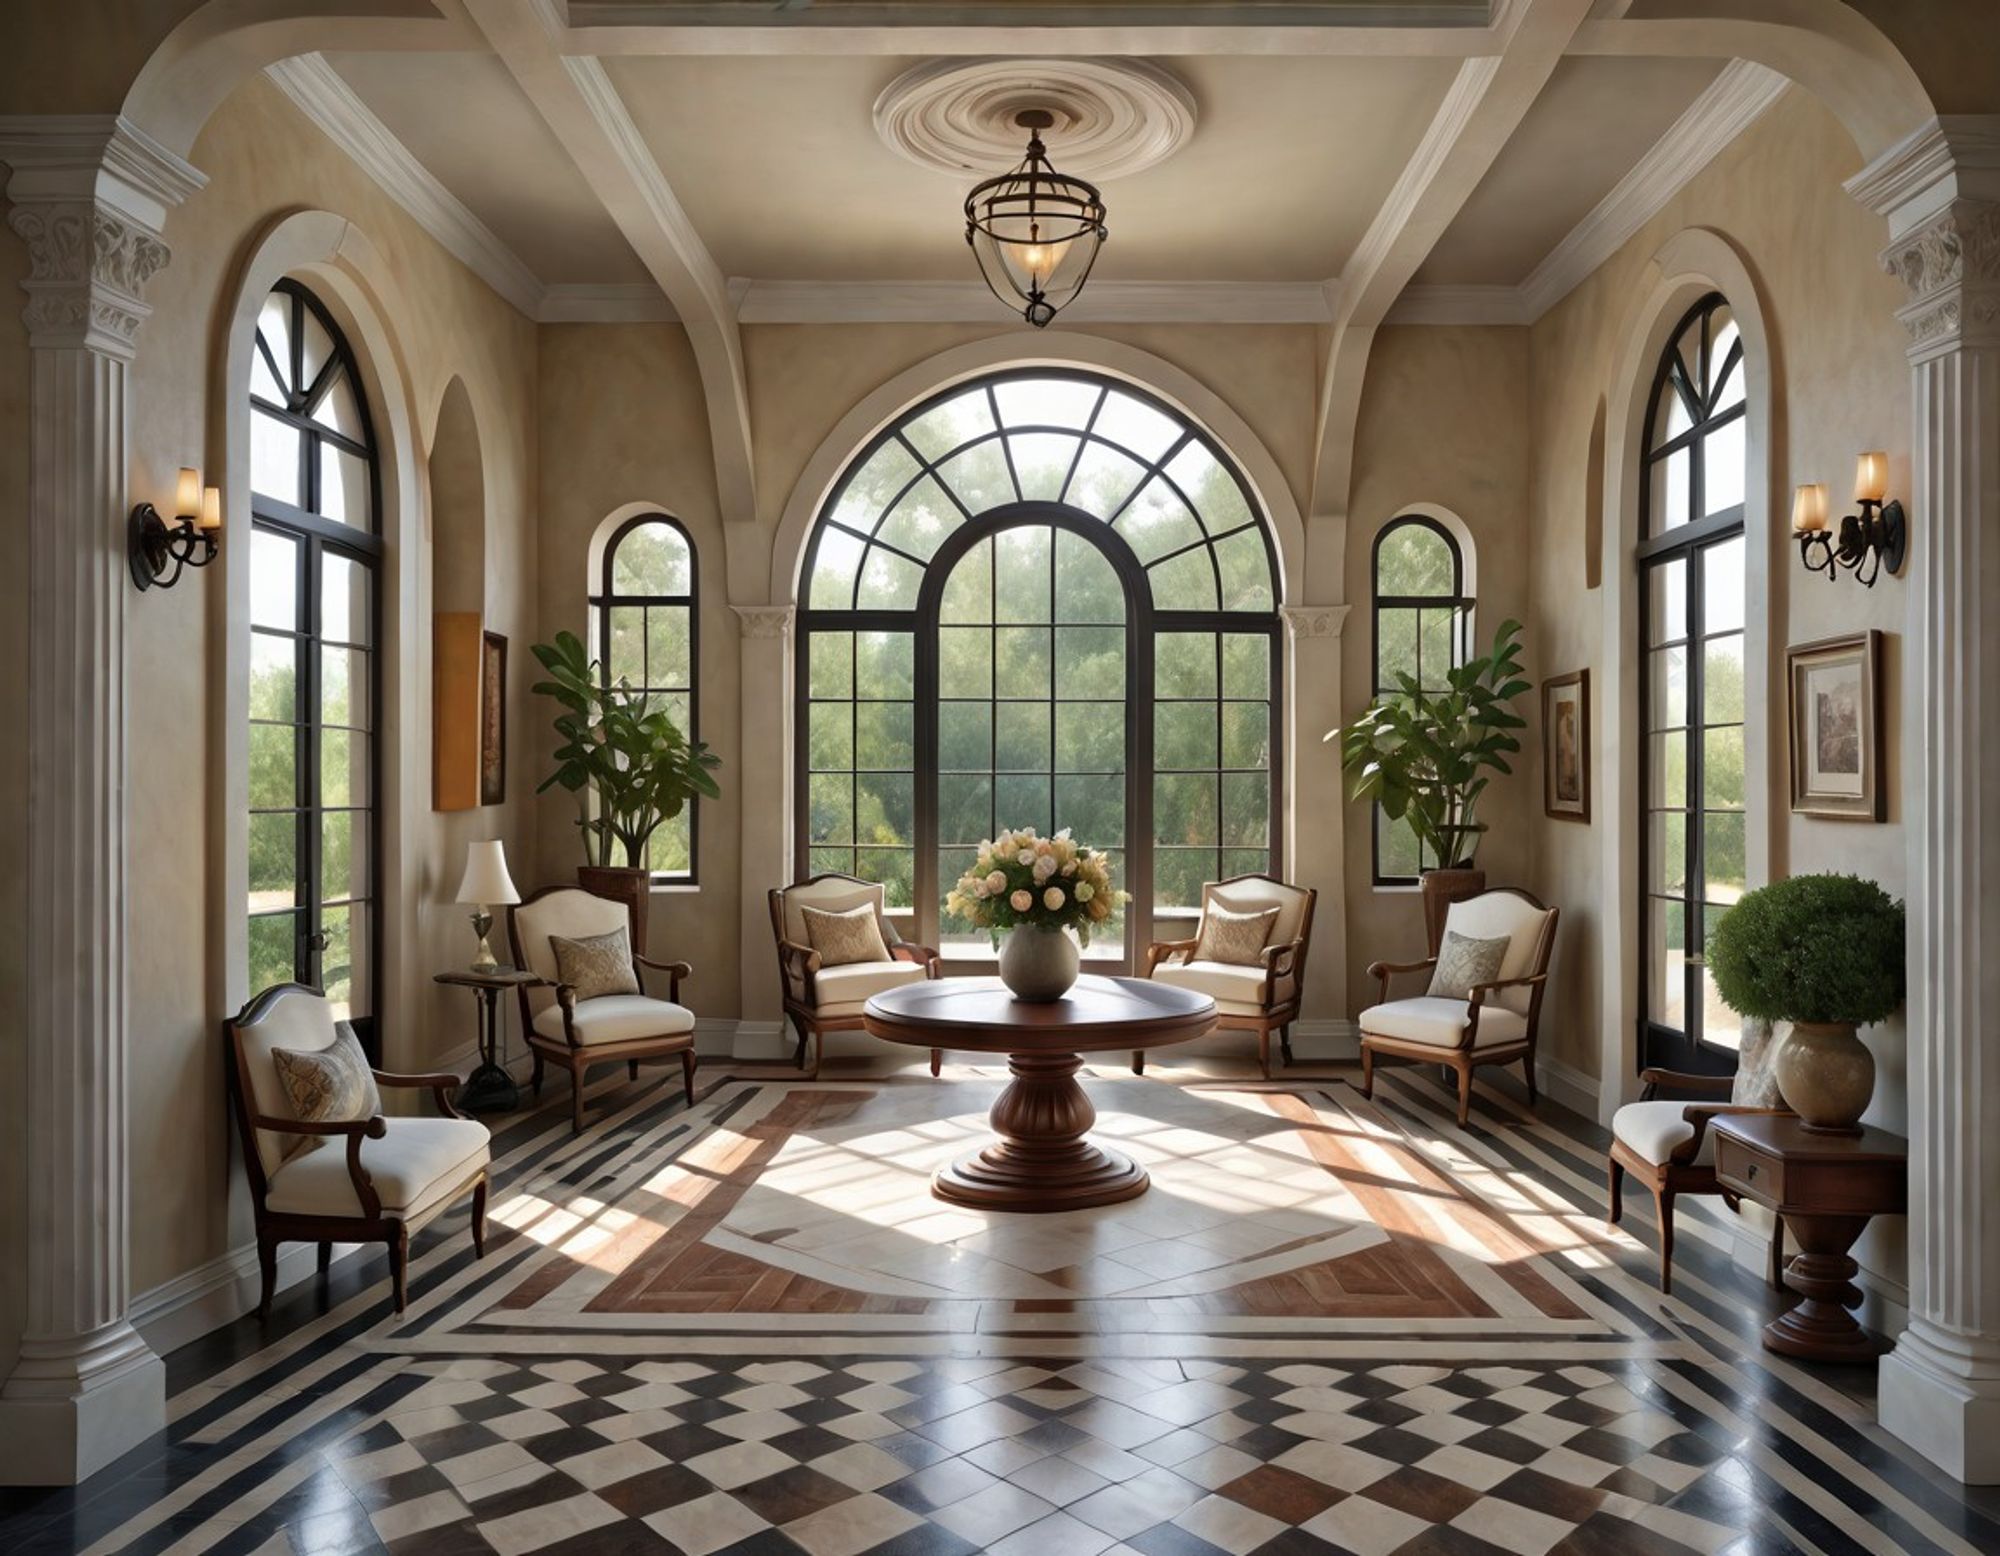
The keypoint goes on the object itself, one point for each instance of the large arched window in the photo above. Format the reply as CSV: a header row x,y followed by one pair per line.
x,y
643,611
315,676
1042,599
1691,589
1422,615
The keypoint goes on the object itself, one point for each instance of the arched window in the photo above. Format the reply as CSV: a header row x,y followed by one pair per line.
x,y
1691,589
1422,618
1042,599
643,606
315,677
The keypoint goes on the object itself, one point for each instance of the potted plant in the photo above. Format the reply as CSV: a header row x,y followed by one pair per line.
x,y
1824,952
628,765
1427,756
1036,888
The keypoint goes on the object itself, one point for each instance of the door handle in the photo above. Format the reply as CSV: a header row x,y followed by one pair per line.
x,y
316,941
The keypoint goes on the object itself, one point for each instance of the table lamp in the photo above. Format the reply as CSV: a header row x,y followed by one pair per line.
x,y
486,883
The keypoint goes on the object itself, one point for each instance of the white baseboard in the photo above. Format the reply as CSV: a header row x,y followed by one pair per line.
x,y
217,1293
1566,1084
1327,1038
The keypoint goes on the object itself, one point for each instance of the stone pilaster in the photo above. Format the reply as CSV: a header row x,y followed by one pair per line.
x,y
1940,1388
763,783
1316,806
88,198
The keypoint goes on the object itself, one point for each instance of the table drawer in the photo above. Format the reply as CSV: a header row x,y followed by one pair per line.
x,y
1750,1172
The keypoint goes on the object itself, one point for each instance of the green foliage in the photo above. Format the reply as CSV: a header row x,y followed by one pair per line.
x,y
1812,948
1425,755
620,749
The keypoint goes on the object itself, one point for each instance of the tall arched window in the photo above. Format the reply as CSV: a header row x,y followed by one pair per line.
x,y
1691,590
1042,599
1422,617
643,607
315,556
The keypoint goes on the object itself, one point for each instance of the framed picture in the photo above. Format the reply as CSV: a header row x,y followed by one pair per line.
x,y
1566,746
1836,743
492,719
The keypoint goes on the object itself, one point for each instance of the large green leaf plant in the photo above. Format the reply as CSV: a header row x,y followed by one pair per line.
x,y
627,763
1428,755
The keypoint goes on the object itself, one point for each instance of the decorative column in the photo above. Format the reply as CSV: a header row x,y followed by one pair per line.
x,y
1316,810
89,197
763,783
1940,1388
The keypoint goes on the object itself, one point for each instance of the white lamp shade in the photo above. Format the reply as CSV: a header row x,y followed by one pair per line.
x,y
486,878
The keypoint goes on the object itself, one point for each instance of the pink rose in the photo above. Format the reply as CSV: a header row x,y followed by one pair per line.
x,y
1021,901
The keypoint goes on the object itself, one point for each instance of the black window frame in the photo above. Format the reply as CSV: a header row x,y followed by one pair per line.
x,y
603,598
1461,606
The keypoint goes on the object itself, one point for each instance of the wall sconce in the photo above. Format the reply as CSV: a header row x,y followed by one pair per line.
x,y
1868,541
190,540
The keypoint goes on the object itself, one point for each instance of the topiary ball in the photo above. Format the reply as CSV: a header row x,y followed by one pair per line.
x,y
1812,948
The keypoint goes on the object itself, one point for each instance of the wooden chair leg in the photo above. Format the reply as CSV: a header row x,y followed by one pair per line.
x,y
536,1081
631,1069
399,1264
1264,1052
1777,1253
479,1219
687,1075
1367,1070
576,1099
1285,1043
1663,1203
1528,1075
1464,1094
937,1060
1614,1170
1138,1061
325,1257
267,1275
799,1058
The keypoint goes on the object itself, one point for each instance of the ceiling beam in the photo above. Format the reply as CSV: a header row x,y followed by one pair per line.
x,y
577,101
1484,106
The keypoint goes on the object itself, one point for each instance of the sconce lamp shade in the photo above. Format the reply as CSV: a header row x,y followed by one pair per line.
x,y
211,509
1871,477
1809,508
486,879
187,493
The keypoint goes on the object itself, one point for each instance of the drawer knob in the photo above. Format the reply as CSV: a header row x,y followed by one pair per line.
x,y
1750,1171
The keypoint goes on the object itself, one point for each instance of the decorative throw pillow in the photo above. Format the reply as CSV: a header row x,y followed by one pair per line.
x,y
840,938
1236,938
331,1084
1756,1083
596,965
1463,961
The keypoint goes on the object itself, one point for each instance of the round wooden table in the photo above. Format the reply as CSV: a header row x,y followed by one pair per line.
x,y
1043,1159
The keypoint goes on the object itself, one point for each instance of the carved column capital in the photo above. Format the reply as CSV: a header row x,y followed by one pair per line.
x,y
87,268
1950,266
1314,621
765,621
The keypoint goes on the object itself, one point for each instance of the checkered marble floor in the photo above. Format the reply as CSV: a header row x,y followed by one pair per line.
x,y
516,1409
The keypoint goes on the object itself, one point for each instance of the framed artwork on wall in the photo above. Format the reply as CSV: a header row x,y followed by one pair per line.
x,y
492,719
1566,746
1836,727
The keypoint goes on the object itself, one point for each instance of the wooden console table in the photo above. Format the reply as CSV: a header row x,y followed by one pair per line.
x,y
1826,1187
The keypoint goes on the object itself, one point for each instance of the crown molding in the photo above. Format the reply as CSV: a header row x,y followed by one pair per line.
x,y
54,158
969,302
613,302
311,83
1923,172
1460,305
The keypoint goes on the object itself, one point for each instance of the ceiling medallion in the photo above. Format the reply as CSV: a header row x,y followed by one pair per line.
x,y
1035,231
1112,118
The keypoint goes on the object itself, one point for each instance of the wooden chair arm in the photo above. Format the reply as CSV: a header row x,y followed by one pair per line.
x,y
1651,1079
1382,972
355,1130
1698,1114
443,1086
910,951
799,964
1476,995
1281,959
675,972
1160,950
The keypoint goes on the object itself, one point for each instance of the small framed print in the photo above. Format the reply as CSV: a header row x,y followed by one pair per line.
x,y
1836,727
492,719
1566,746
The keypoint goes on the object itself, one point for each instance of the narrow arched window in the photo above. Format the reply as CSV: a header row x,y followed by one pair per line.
x,y
1047,599
1422,619
315,662
643,606
1693,798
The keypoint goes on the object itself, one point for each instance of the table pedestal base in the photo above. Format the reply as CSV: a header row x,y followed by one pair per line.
x,y
1042,1160
1821,1326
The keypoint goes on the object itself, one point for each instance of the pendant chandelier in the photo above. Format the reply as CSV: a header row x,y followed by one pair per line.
x,y
1034,231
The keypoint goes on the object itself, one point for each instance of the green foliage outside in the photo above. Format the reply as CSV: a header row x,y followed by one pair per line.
x,y
1812,948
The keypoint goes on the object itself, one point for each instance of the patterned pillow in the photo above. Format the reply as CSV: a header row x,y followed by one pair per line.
x,y
1236,938
1463,961
596,965
841,938
330,1085
1756,1083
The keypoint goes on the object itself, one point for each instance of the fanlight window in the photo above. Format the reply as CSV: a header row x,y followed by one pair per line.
x,y
1043,599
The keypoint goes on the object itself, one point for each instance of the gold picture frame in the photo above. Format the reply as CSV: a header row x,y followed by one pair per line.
x,y
1566,750
492,719
1835,717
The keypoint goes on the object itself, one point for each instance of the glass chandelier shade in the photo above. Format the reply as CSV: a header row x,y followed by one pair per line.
x,y
1034,231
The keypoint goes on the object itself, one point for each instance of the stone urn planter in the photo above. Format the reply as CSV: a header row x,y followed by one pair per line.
x,y
1826,1075
1038,965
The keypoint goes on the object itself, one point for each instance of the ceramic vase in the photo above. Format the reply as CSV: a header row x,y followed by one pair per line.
x,y
1038,965
1826,1075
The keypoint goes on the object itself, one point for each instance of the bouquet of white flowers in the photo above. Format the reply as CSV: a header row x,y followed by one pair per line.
x,y
1050,882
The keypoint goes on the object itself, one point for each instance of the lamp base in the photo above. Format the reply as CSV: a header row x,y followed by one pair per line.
x,y
483,960
489,1089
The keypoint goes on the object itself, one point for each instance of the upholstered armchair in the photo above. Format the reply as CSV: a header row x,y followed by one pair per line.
x,y
576,1030
342,1180
1255,987
1491,1020
822,991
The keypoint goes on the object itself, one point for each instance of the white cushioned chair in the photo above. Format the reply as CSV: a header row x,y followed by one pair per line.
x,y
821,999
1262,997
1495,1023
579,1034
372,1180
